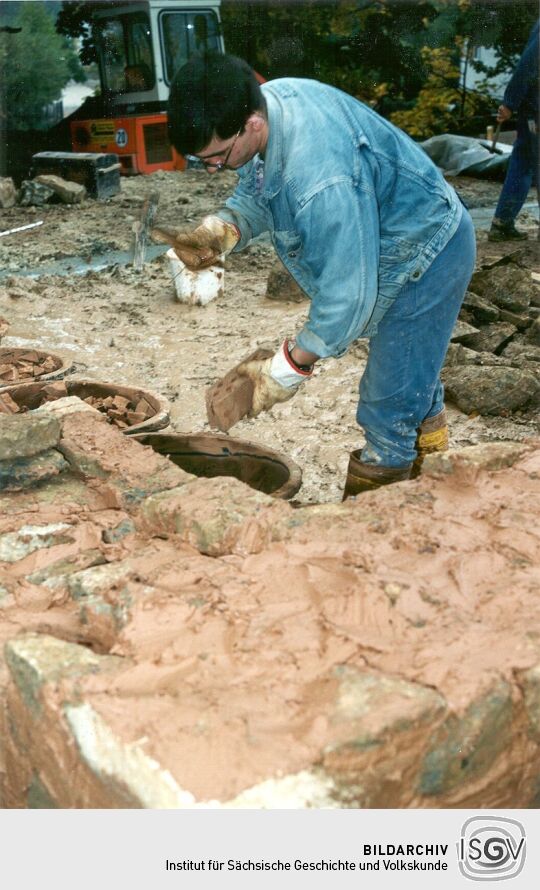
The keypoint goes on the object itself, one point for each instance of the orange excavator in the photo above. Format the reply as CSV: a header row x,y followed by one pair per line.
x,y
140,47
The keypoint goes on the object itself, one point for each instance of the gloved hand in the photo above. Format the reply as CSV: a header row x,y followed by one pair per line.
x,y
203,246
274,379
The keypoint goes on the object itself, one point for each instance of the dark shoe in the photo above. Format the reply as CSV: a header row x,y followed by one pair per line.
x,y
432,436
366,477
501,231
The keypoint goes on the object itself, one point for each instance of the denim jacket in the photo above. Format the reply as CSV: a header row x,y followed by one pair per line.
x,y
354,208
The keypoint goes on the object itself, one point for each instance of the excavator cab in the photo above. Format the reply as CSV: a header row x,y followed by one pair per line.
x,y
140,47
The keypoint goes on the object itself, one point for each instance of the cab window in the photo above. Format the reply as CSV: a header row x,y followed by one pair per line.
x,y
185,33
125,50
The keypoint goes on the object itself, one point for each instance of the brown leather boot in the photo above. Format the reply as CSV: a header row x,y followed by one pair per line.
x,y
432,436
366,477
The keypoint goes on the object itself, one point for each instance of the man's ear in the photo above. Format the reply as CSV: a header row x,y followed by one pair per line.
x,y
256,122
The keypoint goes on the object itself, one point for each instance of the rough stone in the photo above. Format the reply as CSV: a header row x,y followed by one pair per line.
x,y
424,591
25,435
68,192
35,659
533,334
97,449
15,546
462,329
124,528
522,351
531,681
282,286
34,194
8,192
467,745
508,287
489,390
66,405
482,310
461,355
491,338
56,574
521,322
24,472
489,456
128,774
59,753
97,579
378,725
38,797
216,516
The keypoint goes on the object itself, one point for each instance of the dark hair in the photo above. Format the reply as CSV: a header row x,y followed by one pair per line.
x,y
211,95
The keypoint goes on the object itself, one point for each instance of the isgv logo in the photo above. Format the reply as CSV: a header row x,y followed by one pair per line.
x,y
491,848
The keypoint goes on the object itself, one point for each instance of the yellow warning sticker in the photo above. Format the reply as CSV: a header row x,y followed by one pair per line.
x,y
102,129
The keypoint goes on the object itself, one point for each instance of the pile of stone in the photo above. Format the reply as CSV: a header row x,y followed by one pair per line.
x,y
121,411
7,405
43,189
49,393
16,366
118,409
493,364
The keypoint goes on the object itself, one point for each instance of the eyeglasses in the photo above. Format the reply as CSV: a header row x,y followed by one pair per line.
x,y
220,165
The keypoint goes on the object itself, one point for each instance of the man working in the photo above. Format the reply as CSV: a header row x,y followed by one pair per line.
x,y
362,220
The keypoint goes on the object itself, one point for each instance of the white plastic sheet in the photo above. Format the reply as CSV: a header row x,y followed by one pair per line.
x,y
463,154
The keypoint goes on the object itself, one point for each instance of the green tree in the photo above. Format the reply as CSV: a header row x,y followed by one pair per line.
x,y
35,66
398,55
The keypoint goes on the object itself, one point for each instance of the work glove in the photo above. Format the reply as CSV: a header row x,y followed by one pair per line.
x,y
204,246
274,379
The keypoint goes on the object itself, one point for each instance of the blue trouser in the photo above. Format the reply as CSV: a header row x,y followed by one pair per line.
x,y
521,173
401,386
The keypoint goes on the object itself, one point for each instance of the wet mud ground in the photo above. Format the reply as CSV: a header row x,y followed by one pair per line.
x,y
120,326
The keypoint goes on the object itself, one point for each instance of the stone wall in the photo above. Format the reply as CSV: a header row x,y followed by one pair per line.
x,y
175,642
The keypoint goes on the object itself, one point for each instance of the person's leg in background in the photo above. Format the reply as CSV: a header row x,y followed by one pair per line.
x,y
521,172
401,386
